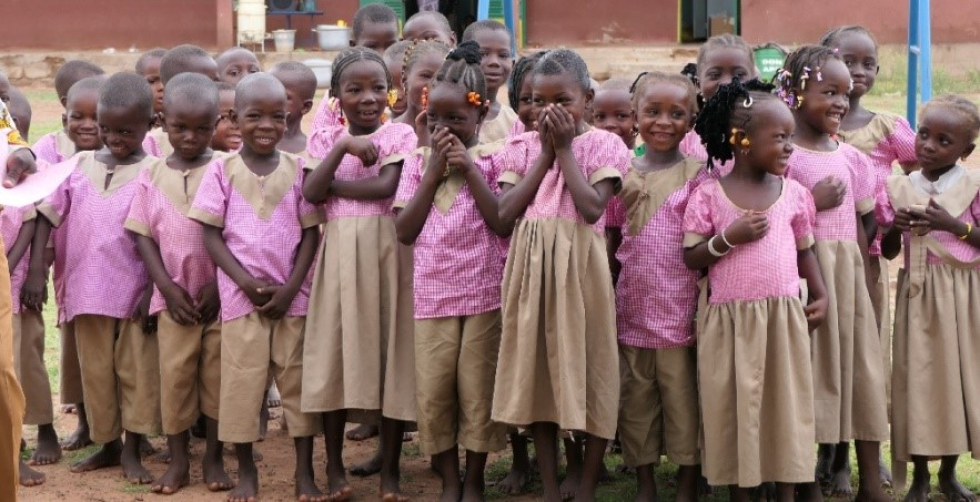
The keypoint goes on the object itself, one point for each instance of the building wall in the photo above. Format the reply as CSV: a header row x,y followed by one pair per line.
x,y
556,22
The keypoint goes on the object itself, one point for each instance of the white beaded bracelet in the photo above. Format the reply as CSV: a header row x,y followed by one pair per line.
x,y
711,248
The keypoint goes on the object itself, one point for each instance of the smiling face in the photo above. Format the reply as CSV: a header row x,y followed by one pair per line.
x,y
395,69
377,36
237,64
771,138
612,111
81,120
122,129
151,72
525,105
227,137
428,28
448,107
826,97
497,59
720,66
363,95
561,89
423,71
860,55
261,115
189,127
942,139
664,114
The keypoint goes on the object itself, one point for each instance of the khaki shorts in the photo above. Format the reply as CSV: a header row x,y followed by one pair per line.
x,y
29,363
658,408
190,372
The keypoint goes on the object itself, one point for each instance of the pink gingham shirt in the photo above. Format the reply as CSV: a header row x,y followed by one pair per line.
x,y
327,114
847,164
394,142
458,265
11,221
692,147
656,295
263,241
601,155
157,144
159,211
103,273
766,268
897,144
53,147
516,130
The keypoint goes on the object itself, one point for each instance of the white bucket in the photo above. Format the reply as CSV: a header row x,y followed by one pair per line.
x,y
285,40
323,69
332,37
251,21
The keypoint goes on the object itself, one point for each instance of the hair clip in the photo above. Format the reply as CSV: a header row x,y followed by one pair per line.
x,y
804,77
425,97
392,97
474,98
819,75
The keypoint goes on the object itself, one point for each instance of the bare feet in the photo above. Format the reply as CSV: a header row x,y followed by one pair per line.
x,y
954,491
825,458
884,474
29,477
247,489
107,456
369,467
919,491
362,432
515,481
68,409
306,490
272,398
391,490
147,449
48,450
569,487
78,439
177,476
215,476
840,483
133,469
340,490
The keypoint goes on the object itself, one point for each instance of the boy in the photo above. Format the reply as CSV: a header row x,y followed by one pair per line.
x,y
71,72
497,63
262,235
612,110
185,294
235,64
56,147
180,59
119,362
227,137
148,66
429,25
300,84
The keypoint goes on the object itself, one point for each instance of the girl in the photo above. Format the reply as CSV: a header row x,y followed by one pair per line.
x,y
849,383
935,213
656,296
558,306
449,213
493,39
422,60
359,353
753,329
519,93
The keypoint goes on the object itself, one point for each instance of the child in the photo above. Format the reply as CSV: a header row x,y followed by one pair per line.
x,y
119,361
300,84
262,235
422,60
148,65
519,93
227,137
70,72
612,110
360,352
395,61
557,181
429,25
185,295
57,146
848,378
180,59
452,221
656,296
494,41
935,213
375,28
235,64
753,362
20,110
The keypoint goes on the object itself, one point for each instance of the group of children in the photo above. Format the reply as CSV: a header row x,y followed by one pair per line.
x,y
431,257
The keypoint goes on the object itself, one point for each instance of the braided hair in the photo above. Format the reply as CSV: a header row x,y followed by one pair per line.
x,y
960,106
517,76
722,42
462,67
832,37
730,108
416,51
646,79
801,65
349,57
564,62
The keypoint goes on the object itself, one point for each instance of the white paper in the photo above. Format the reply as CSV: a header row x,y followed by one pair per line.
x,y
36,186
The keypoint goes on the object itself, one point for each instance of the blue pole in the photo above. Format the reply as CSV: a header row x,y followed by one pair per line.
x,y
483,10
913,68
509,18
925,50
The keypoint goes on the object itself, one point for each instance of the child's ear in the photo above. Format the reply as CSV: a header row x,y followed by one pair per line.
x,y
352,42
968,151
64,119
307,106
589,96
877,69
452,39
64,101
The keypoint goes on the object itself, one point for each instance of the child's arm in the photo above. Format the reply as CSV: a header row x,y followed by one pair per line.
x,y
816,310
590,200
747,228
614,238
514,199
214,242
322,182
282,295
938,218
865,223
35,292
180,305
19,248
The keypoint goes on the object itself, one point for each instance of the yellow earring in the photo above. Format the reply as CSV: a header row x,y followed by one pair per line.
x,y
745,142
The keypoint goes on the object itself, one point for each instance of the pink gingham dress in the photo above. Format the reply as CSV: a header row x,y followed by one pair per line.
x,y
656,296
458,265
847,164
11,221
159,211
103,272
54,147
263,230
766,268
692,146
157,144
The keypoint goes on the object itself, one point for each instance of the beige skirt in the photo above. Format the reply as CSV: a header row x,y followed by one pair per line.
x,y
359,351
848,378
756,393
880,301
936,379
558,353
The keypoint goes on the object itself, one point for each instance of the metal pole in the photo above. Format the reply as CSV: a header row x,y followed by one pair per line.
x,y
913,68
483,10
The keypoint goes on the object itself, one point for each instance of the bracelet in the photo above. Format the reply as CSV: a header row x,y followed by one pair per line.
x,y
725,240
969,228
711,248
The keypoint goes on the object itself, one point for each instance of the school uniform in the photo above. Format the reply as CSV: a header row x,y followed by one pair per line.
x,y
500,127
157,143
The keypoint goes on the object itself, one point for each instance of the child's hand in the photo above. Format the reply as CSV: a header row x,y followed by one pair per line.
x,y
208,303
815,312
828,193
20,164
563,127
903,220
749,227
936,217
457,157
253,290
34,294
364,149
279,303
422,128
180,305
147,322
544,128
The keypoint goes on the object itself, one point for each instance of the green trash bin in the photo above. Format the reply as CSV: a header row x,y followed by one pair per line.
x,y
769,59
